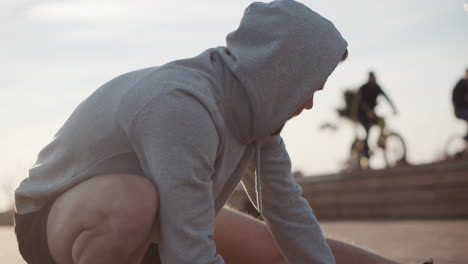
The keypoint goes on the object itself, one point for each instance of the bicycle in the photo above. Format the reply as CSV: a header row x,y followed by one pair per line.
x,y
389,143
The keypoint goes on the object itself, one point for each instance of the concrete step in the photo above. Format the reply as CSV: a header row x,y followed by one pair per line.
x,y
438,190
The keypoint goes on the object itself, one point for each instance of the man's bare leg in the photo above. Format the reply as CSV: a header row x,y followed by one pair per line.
x,y
244,239
106,219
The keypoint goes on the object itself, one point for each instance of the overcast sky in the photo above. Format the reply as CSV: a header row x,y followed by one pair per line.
x,y
55,53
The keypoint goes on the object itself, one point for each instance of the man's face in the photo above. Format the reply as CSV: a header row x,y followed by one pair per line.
x,y
371,78
308,104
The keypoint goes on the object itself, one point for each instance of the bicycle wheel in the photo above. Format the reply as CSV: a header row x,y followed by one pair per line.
x,y
394,150
455,147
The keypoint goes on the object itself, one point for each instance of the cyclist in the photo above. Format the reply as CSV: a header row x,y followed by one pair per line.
x,y
364,105
460,100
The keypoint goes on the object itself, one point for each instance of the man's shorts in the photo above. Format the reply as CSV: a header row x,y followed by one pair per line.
x,y
31,233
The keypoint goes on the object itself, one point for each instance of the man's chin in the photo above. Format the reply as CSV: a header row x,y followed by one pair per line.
x,y
278,131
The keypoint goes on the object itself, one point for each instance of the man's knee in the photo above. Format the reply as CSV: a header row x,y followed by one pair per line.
x,y
243,239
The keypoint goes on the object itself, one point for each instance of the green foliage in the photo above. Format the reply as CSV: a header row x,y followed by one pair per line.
x,y
345,111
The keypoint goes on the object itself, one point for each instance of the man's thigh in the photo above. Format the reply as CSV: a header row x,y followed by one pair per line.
x,y
243,239
91,203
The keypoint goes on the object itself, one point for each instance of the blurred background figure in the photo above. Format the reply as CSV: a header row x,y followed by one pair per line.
x,y
460,100
364,107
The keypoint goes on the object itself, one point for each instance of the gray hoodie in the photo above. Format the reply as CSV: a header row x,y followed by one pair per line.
x,y
193,127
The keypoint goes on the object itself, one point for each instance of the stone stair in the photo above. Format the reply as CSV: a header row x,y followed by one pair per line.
x,y
438,190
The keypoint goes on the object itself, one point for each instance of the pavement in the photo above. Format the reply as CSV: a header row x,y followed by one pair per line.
x,y
408,242
411,242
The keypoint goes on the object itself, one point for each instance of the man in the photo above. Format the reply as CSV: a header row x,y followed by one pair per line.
x,y
153,155
364,107
460,99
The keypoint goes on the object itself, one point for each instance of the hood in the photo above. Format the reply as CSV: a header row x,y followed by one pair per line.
x,y
280,54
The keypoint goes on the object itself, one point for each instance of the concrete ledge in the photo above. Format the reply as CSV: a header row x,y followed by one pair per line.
x,y
430,191
6,218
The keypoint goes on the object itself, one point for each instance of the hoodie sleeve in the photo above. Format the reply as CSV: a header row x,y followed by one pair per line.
x,y
176,142
286,212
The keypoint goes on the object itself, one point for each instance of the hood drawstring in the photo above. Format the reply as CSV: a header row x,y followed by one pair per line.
x,y
258,185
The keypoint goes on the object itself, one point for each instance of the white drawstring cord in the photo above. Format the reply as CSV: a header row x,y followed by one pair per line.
x,y
258,185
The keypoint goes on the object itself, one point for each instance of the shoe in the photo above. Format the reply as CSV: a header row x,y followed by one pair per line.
x,y
430,261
